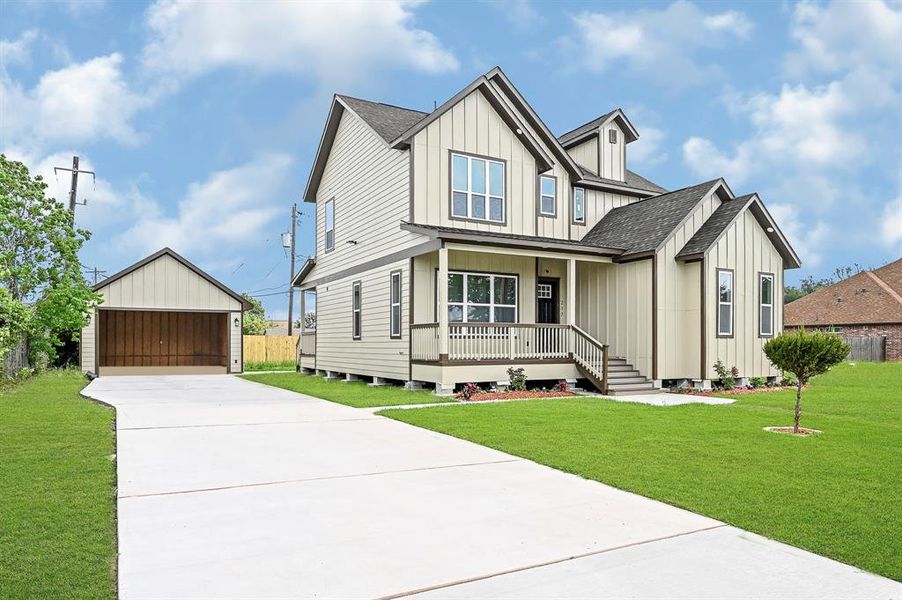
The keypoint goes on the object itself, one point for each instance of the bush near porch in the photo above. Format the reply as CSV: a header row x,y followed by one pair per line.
x,y
836,494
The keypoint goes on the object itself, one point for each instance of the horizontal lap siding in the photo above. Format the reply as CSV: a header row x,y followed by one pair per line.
x,y
746,249
370,185
375,354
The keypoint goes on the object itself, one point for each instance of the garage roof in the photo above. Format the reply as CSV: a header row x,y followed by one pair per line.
x,y
178,257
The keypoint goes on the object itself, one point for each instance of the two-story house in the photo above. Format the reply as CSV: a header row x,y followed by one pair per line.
x,y
454,244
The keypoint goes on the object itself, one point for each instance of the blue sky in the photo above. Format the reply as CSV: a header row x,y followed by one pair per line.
x,y
202,120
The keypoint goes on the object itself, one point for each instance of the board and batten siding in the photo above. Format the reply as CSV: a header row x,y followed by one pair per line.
x,y
613,156
473,126
164,284
586,154
598,204
369,183
613,305
375,354
746,249
679,300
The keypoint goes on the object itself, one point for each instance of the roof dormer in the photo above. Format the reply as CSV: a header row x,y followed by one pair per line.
x,y
600,145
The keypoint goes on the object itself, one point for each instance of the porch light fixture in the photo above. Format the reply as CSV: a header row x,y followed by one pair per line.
x,y
237,322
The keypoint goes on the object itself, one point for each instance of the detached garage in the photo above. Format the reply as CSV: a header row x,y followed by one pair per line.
x,y
164,316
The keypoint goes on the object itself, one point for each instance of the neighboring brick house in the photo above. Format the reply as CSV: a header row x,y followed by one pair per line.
x,y
869,303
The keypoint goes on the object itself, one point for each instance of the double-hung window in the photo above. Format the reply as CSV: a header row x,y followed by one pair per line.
x,y
330,224
477,188
766,304
724,303
395,305
579,205
482,298
356,322
547,196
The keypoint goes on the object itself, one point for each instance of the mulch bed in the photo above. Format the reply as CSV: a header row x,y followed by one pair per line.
x,y
803,432
516,395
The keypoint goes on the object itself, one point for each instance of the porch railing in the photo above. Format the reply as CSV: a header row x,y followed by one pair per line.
x,y
592,356
424,342
307,343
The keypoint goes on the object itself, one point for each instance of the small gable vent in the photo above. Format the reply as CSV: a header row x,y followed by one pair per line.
x,y
612,136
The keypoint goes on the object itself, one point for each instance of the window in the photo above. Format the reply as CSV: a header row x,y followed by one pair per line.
x,y
482,298
579,205
330,224
395,302
355,310
612,136
477,188
547,196
724,303
766,304
544,291
833,329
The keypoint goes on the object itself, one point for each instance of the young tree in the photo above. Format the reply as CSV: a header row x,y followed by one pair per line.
x,y
255,321
43,295
805,355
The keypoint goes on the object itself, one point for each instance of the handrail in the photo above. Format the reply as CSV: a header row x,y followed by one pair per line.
x,y
592,355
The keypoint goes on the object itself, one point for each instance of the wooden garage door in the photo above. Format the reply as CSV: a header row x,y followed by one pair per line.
x,y
131,338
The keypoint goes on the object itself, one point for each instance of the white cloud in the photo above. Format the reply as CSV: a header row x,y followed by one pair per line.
x,y
891,224
805,235
13,52
647,149
230,208
338,42
656,44
80,102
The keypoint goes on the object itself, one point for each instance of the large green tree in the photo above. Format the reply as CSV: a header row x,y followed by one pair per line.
x,y
43,296
255,321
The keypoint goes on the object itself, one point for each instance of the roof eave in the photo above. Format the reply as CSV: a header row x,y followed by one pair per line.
x,y
322,151
305,269
611,187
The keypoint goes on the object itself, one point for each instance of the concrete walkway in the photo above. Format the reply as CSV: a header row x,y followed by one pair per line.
x,y
231,489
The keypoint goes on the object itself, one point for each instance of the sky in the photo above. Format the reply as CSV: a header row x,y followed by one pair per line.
x,y
202,120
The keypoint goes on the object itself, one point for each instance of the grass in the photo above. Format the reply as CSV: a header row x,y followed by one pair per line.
x,y
57,504
285,365
836,494
356,394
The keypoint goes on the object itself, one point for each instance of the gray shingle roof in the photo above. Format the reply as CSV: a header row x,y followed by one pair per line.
x,y
575,133
514,237
710,231
644,225
633,180
386,120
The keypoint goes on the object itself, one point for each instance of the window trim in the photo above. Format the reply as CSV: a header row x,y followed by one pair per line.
x,y
392,303
539,195
489,159
762,275
516,305
732,303
356,311
328,248
576,221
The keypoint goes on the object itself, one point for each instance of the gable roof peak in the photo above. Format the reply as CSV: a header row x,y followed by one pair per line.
x,y
586,130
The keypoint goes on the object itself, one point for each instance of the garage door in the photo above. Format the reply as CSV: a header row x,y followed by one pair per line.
x,y
161,341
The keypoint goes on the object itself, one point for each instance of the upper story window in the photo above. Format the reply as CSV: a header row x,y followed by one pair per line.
x,y
766,304
330,224
477,188
579,205
724,303
548,196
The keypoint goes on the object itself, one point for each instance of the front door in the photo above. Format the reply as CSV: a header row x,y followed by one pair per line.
x,y
548,301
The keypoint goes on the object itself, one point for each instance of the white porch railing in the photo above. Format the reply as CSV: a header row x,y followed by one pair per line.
x,y
424,342
591,355
307,343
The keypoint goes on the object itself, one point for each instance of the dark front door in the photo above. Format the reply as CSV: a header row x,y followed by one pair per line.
x,y
548,299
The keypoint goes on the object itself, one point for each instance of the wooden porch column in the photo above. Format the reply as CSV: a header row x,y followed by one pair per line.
x,y
303,310
571,291
442,292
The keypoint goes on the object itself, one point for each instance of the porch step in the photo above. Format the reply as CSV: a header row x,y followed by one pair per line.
x,y
615,382
616,372
651,389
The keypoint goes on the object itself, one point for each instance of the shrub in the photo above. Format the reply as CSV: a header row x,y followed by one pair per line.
x,y
468,391
788,379
726,379
757,382
561,386
805,355
517,378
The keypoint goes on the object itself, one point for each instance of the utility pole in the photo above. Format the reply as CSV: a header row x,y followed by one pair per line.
x,y
73,190
294,223
95,271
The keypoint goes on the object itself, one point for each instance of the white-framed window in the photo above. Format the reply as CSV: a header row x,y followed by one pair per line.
x,y
330,224
766,304
395,304
579,205
544,291
481,298
356,316
548,196
477,188
724,303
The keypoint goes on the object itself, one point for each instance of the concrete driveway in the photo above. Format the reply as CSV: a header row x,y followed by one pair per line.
x,y
231,489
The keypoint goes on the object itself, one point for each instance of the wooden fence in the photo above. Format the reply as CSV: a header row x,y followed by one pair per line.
x,y
270,348
866,347
15,360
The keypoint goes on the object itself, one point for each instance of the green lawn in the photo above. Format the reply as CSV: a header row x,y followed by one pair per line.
x,y
838,494
285,365
356,394
57,504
